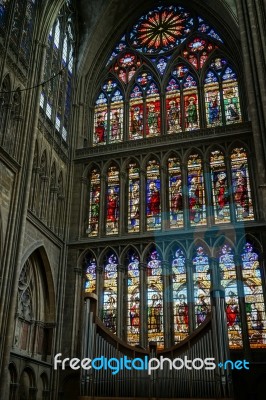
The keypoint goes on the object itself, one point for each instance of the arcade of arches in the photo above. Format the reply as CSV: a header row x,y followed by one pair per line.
x,y
132,175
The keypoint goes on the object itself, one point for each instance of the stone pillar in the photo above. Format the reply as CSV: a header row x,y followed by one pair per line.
x,y
53,206
252,22
43,197
76,317
120,304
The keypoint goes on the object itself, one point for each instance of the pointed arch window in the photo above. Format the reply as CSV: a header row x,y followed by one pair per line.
x,y
133,298
94,202
196,193
133,197
202,284
180,301
175,193
141,60
112,201
55,100
220,192
254,298
109,309
241,185
229,282
155,298
153,196
90,273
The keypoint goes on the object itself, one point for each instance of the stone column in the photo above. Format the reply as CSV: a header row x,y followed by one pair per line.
x,y
252,22
120,304
76,317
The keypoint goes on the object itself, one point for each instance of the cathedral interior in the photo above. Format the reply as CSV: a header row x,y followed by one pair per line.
x,y
133,197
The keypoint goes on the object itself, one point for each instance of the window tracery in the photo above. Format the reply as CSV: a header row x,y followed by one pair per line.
x,y
164,36
55,98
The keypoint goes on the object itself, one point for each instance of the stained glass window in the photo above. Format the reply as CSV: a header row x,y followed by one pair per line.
x,y
190,93
90,273
241,185
197,52
212,100
153,196
133,310
173,106
254,300
196,194
3,12
133,197
229,282
136,124
153,111
231,96
113,190
220,191
175,193
116,117
55,98
180,302
126,66
155,298
110,292
94,203
202,284
100,120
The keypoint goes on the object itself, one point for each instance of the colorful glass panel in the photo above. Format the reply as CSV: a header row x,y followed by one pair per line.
x,y
231,97
190,93
113,190
153,107
133,197
109,309
161,29
212,100
133,311
180,302
90,274
153,196
94,210
196,193
241,185
175,193
136,114
126,66
161,64
173,106
155,298
220,191
116,118
202,284
197,52
100,120
120,46
254,299
207,29
229,282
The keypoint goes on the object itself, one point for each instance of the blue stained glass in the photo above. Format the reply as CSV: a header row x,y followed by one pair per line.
x,y
190,82
101,99
161,64
228,74
109,86
152,89
211,77
205,28
144,79
117,96
172,85
121,45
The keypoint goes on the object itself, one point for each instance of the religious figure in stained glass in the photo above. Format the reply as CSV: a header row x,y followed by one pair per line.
x,y
133,318
110,292
90,274
153,185
113,187
173,117
241,185
133,197
197,213
95,191
180,304
254,298
175,193
229,282
201,278
219,187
